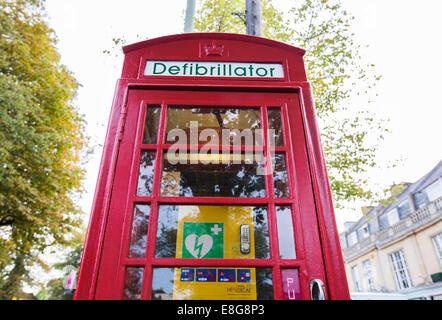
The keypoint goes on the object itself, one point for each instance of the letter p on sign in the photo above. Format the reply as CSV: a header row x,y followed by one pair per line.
x,y
290,285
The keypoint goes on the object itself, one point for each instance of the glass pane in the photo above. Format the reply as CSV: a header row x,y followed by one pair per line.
x,y
280,177
162,284
188,231
202,125
290,284
212,283
133,283
212,175
285,232
264,283
275,127
151,124
145,176
138,239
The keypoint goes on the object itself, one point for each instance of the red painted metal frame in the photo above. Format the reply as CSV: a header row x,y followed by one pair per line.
x,y
109,227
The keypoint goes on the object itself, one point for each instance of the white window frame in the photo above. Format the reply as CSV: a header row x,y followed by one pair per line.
x,y
437,242
405,202
356,278
365,233
368,274
352,239
400,270
393,217
434,190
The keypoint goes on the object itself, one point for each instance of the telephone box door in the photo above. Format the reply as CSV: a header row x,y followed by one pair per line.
x,y
212,199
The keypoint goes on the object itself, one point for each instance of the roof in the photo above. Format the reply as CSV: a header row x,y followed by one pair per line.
x,y
417,186
214,36
412,189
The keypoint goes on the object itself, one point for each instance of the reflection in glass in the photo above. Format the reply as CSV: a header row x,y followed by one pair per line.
x,y
280,177
188,231
165,244
145,176
151,124
275,127
264,283
162,284
225,126
140,224
238,176
213,283
133,283
286,237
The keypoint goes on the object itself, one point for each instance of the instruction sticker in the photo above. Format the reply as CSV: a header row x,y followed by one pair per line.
x,y
213,232
187,274
226,275
243,275
205,275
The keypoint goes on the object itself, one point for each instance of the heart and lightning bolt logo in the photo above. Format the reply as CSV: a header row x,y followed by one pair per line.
x,y
203,240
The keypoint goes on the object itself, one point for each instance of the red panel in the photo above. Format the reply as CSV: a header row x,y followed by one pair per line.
x,y
334,265
290,283
88,272
118,210
190,47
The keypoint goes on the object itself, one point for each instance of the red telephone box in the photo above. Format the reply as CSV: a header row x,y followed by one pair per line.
x,y
212,183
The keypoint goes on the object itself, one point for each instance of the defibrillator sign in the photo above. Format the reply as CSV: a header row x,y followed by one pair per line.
x,y
203,240
214,69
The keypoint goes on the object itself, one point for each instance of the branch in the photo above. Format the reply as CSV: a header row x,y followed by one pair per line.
x,y
6,221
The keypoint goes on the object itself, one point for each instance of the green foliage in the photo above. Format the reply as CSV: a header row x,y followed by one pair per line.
x,y
337,72
216,16
391,194
54,289
42,136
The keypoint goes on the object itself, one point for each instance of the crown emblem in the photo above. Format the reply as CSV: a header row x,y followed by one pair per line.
x,y
214,49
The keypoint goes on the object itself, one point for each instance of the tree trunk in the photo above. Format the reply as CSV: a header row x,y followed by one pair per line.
x,y
11,287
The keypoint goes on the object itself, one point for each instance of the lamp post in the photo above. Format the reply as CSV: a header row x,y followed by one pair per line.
x,y
254,18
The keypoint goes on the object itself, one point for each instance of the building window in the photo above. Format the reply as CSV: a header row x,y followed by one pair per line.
x,y
434,190
437,241
363,232
383,222
352,239
368,274
392,217
372,227
420,199
356,278
400,271
389,218
404,209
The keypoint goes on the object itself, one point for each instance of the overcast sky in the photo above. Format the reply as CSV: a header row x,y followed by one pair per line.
x,y
404,44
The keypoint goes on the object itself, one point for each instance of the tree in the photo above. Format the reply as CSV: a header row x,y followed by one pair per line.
x,y
216,16
42,135
337,72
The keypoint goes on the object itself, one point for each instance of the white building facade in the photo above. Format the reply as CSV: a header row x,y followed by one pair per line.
x,y
397,248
